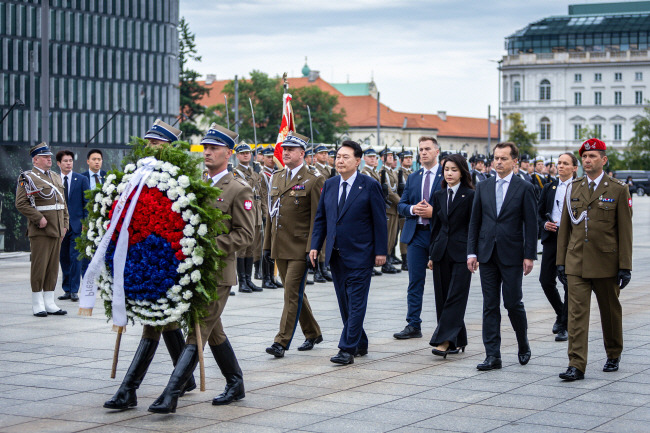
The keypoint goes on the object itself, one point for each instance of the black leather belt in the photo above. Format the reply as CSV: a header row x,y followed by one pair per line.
x,y
422,227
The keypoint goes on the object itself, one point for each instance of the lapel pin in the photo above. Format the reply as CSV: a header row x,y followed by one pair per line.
x,y
605,183
553,187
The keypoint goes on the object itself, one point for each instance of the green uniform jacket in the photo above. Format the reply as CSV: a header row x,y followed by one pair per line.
x,y
254,180
368,171
57,219
288,233
606,246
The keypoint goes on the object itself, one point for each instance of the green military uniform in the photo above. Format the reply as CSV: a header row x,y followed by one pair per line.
x,y
254,180
402,246
324,170
391,211
40,194
369,171
592,252
288,236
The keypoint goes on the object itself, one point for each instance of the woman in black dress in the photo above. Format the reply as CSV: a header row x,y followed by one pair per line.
x,y
452,208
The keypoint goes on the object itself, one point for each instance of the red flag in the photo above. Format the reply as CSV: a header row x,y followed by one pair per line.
x,y
286,126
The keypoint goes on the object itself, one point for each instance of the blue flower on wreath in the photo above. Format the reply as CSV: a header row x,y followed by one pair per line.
x,y
150,268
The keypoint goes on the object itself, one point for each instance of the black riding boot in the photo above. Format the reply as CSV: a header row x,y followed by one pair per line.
x,y
324,272
185,366
125,396
175,342
248,272
318,276
267,273
405,266
227,362
258,271
241,275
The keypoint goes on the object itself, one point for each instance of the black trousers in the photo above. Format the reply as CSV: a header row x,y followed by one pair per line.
x,y
451,287
497,278
547,278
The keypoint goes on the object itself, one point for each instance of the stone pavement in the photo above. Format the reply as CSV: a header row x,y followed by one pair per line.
x,y
54,372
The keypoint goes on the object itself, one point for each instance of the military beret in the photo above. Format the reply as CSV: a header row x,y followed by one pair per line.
x,y
593,144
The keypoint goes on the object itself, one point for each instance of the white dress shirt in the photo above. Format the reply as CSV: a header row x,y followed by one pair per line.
x,y
292,172
558,202
350,182
454,189
596,181
217,177
432,179
505,185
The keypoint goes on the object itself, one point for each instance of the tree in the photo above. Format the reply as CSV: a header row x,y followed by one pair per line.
x,y
637,156
190,90
266,95
517,134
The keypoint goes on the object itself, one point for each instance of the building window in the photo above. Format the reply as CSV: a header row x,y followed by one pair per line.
x,y
638,97
577,128
577,98
618,76
618,132
598,98
598,131
598,76
516,91
618,98
577,78
545,90
638,76
544,129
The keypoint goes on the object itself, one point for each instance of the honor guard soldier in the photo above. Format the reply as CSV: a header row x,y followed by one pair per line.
x,y
524,164
268,264
388,179
406,162
309,157
331,156
40,198
236,200
537,177
370,169
251,255
295,191
159,134
594,254
321,155
477,173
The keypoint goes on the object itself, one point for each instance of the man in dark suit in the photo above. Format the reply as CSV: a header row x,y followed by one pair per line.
x,y
74,186
415,206
503,236
351,216
549,213
95,174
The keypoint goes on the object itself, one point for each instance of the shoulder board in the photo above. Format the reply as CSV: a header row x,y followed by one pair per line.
x,y
618,181
242,181
313,171
578,179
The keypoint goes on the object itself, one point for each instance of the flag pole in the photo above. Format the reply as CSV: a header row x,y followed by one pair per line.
x,y
311,132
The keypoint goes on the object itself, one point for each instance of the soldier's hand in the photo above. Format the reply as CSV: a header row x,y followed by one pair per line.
x,y
42,223
313,257
561,274
624,277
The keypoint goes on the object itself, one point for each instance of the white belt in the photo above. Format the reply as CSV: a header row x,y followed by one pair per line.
x,y
51,207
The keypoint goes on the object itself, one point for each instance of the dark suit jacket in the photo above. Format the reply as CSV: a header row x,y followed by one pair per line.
x,y
449,231
102,176
512,235
412,196
544,206
359,232
77,201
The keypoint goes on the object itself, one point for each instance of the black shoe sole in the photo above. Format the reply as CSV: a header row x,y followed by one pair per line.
x,y
162,411
274,353
128,406
317,341
41,314
406,337
58,313
486,368
571,379
342,363
223,403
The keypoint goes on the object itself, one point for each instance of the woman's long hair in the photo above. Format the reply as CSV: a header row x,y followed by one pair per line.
x,y
461,163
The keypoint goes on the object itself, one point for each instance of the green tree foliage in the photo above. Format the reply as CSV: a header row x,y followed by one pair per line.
x,y
266,95
637,156
191,91
517,134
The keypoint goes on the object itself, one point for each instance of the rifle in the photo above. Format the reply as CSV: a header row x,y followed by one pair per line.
x,y
333,169
311,134
256,166
383,180
225,98
400,176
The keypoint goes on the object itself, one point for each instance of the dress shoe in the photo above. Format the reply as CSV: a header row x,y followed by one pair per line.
x,y
50,306
310,342
557,326
387,268
408,332
405,266
490,363
318,276
442,353
276,350
375,272
457,350
324,272
232,293
572,374
343,358
64,297
361,352
395,261
74,297
524,355
611,365
563,335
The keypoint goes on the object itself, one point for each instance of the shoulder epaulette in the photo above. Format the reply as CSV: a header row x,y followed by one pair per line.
x,y
242,181
313,170
578,179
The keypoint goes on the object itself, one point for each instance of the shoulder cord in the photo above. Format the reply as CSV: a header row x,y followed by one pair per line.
x,y
582,216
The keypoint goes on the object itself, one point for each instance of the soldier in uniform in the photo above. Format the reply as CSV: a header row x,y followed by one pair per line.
x,y
331,156
40,198
370,169
159,134
390,177
594,254
295,191
477,172
321,156
251,255
309,157
236,200
538,178
406,162
268,264
524,164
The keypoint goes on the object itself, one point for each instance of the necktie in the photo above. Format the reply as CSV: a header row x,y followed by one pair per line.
x,y
592,187
343,197
97,181
450,198
425,192
500,183
65,188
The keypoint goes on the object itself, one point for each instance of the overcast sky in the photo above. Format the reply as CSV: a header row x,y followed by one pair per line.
x,y
425,56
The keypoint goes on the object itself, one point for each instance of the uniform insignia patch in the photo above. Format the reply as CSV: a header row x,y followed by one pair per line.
x,y
607,200
298,187
629,202
248,204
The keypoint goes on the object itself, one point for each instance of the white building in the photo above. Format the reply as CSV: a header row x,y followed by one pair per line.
x,y
589,69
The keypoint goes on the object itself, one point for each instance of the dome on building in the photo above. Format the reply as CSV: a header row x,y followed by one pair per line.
x,y
305,69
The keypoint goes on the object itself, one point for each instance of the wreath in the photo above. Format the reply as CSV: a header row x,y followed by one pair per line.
x,y
171,258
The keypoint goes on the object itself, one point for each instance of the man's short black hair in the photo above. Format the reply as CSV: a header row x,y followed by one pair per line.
x,y
62,153
356,147
91,151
